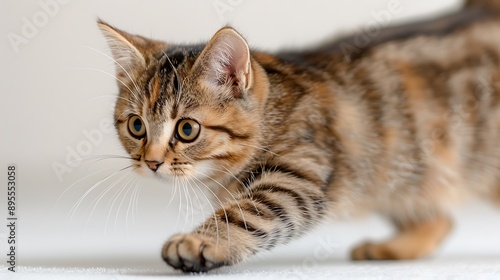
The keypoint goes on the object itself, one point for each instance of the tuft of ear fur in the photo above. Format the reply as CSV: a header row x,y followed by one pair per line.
x,y
226,62
126,51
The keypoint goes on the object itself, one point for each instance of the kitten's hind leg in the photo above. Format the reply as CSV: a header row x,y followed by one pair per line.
x,y
414,240
496,195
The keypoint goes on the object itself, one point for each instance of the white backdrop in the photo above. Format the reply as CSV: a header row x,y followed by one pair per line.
x,y
57,94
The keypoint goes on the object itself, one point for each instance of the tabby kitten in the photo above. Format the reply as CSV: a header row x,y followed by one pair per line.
x,y
406,127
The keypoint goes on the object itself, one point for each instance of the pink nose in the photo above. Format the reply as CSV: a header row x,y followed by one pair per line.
x,y
153,165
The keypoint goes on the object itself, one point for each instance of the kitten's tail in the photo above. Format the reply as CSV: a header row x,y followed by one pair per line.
x,y
490,5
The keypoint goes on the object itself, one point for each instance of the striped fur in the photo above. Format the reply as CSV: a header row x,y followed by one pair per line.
x,y
406,127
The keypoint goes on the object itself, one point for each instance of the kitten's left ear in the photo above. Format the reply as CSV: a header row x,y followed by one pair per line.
x,y
225,61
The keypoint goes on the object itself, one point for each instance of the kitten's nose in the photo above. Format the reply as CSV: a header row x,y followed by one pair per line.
x,y
153,164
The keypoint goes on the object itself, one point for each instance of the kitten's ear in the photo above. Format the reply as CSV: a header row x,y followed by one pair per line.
x,y
225,61
128,50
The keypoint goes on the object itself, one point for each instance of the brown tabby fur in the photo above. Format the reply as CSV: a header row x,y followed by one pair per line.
x,y
407,127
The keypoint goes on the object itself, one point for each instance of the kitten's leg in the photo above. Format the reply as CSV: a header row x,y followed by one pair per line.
x,y
280,205
413,240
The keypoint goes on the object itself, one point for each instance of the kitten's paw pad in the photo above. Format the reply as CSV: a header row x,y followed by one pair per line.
x,y
193,253
371,251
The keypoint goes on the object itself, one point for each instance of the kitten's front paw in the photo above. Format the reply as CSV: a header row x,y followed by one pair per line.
x,y
194,253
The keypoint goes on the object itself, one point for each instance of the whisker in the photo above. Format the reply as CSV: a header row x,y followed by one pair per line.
x,y
128,74
191,198
111,75
72,185
75,207
197,198
179,83
100,157
265,149
124,70
213,211
136,201
222,207
108,95
249,190
173,194
232,196
130,205
129,186
180,207
186,195
98,199
125,112
231,174
113,199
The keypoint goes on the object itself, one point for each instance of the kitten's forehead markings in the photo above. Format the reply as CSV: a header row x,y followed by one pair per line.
x,y
168,131
171,61
157,97
155,90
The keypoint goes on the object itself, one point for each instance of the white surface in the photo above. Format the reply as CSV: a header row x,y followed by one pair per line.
x,y
57,89
292,270
471,252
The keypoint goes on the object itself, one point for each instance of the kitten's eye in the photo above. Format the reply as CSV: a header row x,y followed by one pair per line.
x,y
136,126
187,130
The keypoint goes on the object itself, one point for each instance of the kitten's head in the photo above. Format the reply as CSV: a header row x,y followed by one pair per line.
x,y
188,111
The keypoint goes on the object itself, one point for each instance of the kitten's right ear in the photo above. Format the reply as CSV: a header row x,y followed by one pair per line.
x,y
126,51
225,62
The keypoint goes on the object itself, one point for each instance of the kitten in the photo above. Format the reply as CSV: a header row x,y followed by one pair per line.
x,y
406,127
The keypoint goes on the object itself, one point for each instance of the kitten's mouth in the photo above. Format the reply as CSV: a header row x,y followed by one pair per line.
x,y
164,172
184,170
181,169
170,174
179,172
